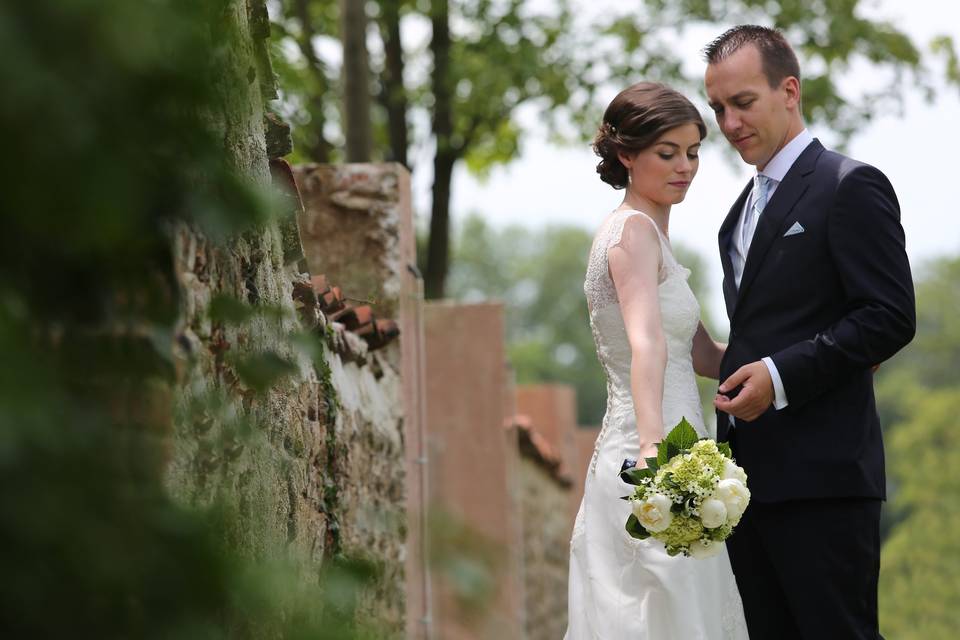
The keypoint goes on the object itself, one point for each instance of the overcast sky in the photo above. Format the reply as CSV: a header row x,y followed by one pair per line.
x,y
918,152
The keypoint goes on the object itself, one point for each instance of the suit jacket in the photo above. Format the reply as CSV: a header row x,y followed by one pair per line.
x,y
826,305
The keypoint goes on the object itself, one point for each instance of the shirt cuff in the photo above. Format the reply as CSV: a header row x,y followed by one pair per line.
x,y
779,394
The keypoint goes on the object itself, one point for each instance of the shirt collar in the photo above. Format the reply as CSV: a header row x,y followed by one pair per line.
x,y
778,166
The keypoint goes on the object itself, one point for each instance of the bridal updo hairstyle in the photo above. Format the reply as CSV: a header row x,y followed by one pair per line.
x,y
635,119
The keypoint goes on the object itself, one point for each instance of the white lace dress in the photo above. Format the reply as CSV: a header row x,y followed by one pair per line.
x,y
621,588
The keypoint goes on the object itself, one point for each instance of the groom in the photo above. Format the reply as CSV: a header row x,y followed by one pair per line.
x,y
818,292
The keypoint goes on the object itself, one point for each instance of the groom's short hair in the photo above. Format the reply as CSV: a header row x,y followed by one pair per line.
x,y
779,60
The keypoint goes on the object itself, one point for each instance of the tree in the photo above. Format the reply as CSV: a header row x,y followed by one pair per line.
x,y
919,586
356,81
919,400
393,95
306,80
488,58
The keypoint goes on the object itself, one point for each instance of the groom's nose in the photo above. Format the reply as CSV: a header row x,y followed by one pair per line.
x,y
730,121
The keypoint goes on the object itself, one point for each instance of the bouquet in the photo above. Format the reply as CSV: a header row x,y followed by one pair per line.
x,y
690,496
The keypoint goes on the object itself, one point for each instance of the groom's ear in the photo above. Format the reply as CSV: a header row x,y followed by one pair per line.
x,y
791,87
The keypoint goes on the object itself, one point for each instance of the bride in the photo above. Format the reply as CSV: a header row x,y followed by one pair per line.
x,y
650,342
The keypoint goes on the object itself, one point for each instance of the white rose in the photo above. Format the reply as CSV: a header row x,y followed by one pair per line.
x,y
732,472
654,512
713,513
700,549
735,496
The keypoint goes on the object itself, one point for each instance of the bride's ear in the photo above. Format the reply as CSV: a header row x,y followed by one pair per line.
x,y
626,160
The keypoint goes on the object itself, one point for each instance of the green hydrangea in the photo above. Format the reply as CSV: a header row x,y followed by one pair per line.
x,y
683,530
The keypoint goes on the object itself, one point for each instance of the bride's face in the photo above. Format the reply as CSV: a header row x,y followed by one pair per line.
x,y
662,173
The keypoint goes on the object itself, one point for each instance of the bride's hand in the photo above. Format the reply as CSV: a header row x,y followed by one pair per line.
x,y
648,451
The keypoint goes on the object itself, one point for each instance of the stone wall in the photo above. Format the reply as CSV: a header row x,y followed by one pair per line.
x,y
543,497
546,551
356,228
300,441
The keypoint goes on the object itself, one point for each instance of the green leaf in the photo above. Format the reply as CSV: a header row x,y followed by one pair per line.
x,y
635,529
683,436
634,476
663,455
228,310
725,449
652,463
260,371
672,450
668,481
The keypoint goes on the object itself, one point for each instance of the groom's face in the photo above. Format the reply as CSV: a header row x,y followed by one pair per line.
x,y
753,116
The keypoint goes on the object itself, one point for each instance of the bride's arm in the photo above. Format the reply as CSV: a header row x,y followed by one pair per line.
x,y
634,264
706,353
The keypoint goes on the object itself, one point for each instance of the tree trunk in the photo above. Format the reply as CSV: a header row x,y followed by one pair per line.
x,y
356,81
438,248
392,92
320,150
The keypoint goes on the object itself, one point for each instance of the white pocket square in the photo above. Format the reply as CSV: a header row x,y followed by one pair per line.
x,y
794,230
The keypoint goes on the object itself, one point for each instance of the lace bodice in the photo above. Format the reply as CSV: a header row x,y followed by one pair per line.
x,y
680,314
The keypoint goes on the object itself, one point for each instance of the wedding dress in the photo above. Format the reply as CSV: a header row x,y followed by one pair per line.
x,y
621,588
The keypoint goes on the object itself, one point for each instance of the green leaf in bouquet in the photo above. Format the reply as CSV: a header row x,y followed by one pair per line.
x,y
683,436
725,449
672,450
668,482
635,529
663,455
634,475
653,464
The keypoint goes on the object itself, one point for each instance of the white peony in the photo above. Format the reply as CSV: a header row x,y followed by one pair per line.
x,y
654,512
733,472
700,549
713,513
735,496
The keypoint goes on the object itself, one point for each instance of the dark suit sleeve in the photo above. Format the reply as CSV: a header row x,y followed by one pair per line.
x,y
866,241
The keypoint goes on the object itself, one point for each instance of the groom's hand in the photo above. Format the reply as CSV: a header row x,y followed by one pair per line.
x,y
755,396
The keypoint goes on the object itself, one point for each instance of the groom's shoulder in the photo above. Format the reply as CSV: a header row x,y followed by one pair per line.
x,y
842,165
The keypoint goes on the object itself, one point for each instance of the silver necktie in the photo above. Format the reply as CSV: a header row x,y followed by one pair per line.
x,y
761,185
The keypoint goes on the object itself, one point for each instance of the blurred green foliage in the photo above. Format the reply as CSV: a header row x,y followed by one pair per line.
x,y
919,395
120,119
538,274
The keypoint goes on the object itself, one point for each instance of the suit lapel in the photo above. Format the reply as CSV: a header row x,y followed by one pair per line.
x,y
771,221
725,238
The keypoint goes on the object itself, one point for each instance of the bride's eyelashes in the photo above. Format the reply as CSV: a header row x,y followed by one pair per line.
x,y
669,156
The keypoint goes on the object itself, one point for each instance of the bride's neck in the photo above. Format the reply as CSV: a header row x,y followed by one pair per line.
x,y
658,212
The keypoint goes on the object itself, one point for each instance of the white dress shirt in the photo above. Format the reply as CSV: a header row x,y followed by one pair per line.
x,y
775,170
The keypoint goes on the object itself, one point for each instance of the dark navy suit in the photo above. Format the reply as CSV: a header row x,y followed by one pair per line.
x,y
826,304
